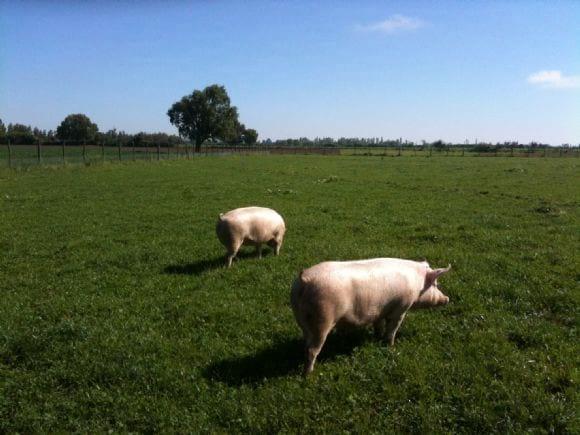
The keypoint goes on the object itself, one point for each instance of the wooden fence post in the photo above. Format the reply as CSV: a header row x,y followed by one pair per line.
x,y
38,153
133,149
119,150
103,151
84,151
158,151
63,146
9,154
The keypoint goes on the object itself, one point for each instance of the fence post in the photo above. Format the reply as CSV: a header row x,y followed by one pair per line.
x,y
133,149
38,153
63,146
84,151
512,151
103,151
158,151
462,150
430,150
119,150
9,154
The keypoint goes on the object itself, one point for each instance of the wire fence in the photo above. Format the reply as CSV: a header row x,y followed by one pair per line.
x,y
14,156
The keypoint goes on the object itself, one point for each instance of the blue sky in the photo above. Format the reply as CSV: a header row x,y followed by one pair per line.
x,y
454,70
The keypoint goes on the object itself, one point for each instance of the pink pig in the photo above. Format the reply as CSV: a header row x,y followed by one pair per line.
x,y
250,226
379,291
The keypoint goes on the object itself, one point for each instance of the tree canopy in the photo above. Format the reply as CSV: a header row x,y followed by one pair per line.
x,y
77,128
20,134
208,114
248,135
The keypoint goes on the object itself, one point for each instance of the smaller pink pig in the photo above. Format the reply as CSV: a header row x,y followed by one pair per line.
x,y
250,226
376,292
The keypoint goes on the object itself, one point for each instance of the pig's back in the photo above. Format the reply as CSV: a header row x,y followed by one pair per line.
x,y
377,275
253,215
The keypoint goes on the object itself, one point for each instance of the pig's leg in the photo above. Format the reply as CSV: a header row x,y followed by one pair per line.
x,y
279,241
232,251
276,244
393,324
259,250
314,344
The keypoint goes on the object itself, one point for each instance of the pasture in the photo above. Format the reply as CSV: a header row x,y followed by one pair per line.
x,y
116,312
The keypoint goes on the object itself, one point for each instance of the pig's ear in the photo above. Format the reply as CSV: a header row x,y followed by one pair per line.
x,y
432,275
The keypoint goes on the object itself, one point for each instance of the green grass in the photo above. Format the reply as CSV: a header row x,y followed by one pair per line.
x,y
116,313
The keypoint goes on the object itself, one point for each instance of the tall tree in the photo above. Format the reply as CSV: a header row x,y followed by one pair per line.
x,y
77,128
206,114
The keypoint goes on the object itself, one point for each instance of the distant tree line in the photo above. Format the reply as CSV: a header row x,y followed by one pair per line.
x,y
77,129
207,117
438,145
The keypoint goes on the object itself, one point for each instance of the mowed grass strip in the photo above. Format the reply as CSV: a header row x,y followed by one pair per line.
x,y
116,312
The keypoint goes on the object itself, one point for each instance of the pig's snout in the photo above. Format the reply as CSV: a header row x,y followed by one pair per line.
x,y
445,300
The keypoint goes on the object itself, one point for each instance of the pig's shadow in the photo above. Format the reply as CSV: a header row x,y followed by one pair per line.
x,y
202,266
285,356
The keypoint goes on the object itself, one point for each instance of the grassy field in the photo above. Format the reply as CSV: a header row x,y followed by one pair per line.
x,y
116,313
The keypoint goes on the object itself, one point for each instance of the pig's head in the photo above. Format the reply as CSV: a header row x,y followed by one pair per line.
x,y
431,295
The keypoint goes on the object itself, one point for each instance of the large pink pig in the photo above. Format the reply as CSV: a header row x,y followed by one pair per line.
x,y
376,292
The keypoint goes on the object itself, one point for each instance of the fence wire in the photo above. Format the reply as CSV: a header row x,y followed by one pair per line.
x,y
61,154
